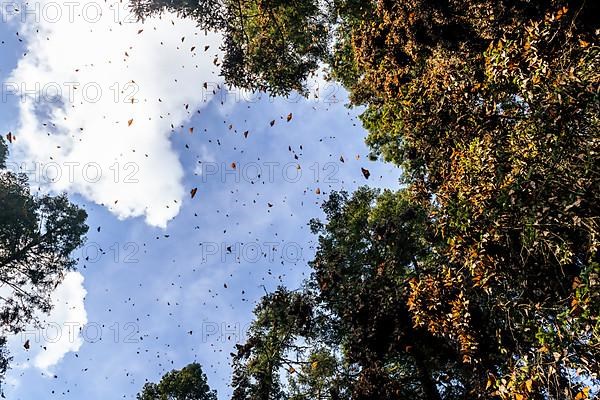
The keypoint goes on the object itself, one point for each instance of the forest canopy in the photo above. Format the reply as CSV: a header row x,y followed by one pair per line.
x,y
479,277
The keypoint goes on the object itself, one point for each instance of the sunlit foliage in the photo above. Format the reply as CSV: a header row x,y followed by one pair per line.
x,y
188,383
480,278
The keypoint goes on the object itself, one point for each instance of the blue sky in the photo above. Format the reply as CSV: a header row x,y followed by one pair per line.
x,y
199,266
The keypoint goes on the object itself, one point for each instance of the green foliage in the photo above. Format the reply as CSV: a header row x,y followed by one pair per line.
x,y
499,142
37,236
502,139
486,265
5,360
348,333
208,13
318,377
281,318
273,45
3,152
189,383
269,45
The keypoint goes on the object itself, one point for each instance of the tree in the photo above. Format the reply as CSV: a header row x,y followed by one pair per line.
x,y
347,334
208,13
273,45
353,331
3,153
491,109
37,236
499,133
370,248
269,45
189,383
280,318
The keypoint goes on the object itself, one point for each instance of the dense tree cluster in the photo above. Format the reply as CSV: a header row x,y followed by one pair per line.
x,y
479,279
37,236
188,383
270,45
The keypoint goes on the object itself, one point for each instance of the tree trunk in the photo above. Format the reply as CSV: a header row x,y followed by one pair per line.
x,y
428,384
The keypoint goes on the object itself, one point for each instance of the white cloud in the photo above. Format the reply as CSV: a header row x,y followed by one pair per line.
x,y
59,333
64,323
110,150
